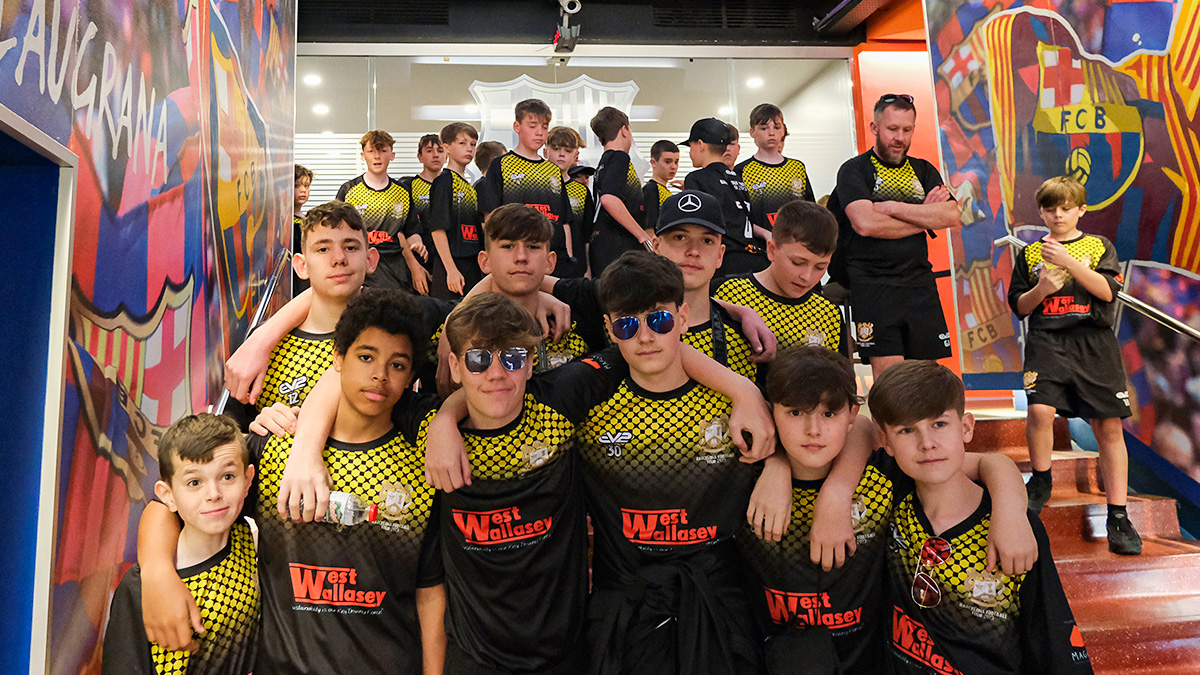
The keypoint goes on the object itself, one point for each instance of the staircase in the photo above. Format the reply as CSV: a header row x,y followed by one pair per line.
x,y
1139,615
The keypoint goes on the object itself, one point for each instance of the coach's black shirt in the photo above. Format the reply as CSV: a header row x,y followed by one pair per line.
x,y
515,540
847,602
454,209
987,623
897,262
226,590
723,183
1072,305
773,185
342,600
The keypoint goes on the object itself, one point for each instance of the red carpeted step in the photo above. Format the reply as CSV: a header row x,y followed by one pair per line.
x,y
1091,574
1001,434
1075,515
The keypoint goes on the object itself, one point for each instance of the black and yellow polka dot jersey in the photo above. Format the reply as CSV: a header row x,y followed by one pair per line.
x,y
654,194
388,214
807,320
663,477
847,601
898,262
721,338
454,209
513,179
419,189
581,206
1072,305
514,542
342,599
616,176
986,623
295,365
226,590
773,185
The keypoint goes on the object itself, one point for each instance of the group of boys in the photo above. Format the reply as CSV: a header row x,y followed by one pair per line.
x,y
713,550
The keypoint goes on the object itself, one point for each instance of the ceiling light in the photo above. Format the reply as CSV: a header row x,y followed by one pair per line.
x,y
754,82
312,79
321,109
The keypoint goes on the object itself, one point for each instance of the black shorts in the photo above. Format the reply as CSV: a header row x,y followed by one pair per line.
x,y
898,321
1078,372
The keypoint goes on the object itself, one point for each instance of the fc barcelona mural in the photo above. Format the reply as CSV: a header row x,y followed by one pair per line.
x,y
181,113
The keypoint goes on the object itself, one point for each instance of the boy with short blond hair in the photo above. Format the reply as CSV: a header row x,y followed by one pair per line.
x,y
523,176
787,294
949,613
772,179
205,475
618,222
455,225
387,210
664,164
1066,285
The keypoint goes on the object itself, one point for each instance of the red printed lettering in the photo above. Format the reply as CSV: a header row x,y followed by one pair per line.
x,y
470,232
375,237
668,527
315,585
487,528
771,218
1063,304
545,209
809,609
911,638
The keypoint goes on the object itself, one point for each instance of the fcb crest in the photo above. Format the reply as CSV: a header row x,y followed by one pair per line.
x,y
395,499
574,104
865,330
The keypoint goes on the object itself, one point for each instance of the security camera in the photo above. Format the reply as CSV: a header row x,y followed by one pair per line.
x,y
570,6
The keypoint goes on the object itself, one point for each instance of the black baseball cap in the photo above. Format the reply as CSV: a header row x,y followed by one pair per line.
x,y
691,207
710,130
580,169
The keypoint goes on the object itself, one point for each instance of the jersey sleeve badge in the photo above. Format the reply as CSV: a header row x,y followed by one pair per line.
x,y
865,331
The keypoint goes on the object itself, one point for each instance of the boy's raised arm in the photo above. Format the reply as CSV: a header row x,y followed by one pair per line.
x,y
247,367
1010,537
304,487
757,333
168,609
831,539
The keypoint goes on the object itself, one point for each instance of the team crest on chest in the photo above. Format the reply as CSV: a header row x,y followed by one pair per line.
x,y
798,186
858,511
984,588
395,499
814,337
714,436
534,455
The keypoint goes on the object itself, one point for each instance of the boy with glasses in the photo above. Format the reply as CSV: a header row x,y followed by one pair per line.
x,y
949,614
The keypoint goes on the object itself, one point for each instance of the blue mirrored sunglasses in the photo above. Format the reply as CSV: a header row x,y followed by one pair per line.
x,y
661,322
479,360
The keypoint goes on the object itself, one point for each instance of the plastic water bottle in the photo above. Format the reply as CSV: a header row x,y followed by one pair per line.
x,y
348,509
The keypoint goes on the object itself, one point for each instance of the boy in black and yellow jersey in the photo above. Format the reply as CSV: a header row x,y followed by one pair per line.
x,y
455,225
302,185
365,597
949,614
772,179
387,209
334,258
707,143
665,491
432,156
664,164
562,148
786,294
619,218
822,618
1066,284
522,176
205,475
887,204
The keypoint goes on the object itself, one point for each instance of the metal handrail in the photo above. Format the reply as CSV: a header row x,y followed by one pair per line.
x,y
1133,303
259,314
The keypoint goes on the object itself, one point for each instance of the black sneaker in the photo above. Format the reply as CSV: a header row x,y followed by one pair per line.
x,y
1039,493
1122,538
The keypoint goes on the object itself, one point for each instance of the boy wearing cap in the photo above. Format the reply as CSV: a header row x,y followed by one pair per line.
x,y
618,192
772,179
707,143
664,164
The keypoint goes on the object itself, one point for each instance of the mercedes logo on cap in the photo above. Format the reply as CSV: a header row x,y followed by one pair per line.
x,y
689,203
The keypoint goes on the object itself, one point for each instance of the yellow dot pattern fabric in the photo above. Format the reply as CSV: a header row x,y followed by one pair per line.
x,y
577,195
809,320
385,213
984,605
295,365
896,183
539,438
663,195
1088,249
773,185
418,188
227,595
738,350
